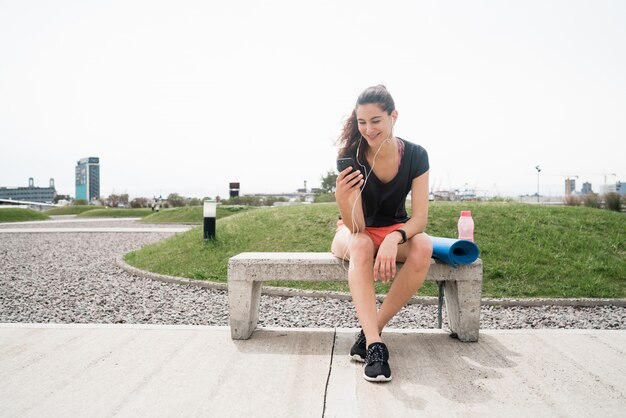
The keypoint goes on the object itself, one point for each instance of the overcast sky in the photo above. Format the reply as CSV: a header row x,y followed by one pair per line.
x,y
187,96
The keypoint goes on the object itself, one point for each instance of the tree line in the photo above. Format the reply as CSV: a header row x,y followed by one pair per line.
x,y
175,200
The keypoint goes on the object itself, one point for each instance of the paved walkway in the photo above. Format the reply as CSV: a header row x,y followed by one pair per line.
x,y
85,229
72,224
166,370
135,370
68,219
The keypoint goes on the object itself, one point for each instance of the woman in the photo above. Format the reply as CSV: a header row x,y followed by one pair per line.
x,y
374,229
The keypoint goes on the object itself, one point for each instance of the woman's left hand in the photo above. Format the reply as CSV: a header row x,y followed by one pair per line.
x,y
385,265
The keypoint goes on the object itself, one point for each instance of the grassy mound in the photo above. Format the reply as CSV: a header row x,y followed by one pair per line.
x,y
544,251
190,214
527,250
70,210
116,213
21,215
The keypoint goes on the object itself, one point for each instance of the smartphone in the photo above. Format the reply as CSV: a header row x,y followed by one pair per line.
x,y
345,162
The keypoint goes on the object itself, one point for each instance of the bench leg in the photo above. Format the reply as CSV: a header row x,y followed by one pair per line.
x,y
243,299
440,286
463,306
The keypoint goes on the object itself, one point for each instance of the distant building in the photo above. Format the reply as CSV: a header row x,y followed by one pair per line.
x,y
88,179
619,188
586,189
30,193
570,186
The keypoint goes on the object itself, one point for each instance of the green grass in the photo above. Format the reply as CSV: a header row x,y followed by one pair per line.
x,y
527,250
70,210
116,213
263,229
191,214
543,251
21,215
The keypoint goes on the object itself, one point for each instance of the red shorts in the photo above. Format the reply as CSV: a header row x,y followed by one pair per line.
x,y
376,233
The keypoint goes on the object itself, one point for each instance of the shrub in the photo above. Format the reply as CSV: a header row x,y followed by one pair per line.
x,y
253,200
139,202
591,200
175,200
498,198
194,202
572,200
325,197
612,201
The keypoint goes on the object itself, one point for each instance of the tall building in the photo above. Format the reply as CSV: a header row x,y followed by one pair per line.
x,y
30,193
586,188
570,186
88,179
619,187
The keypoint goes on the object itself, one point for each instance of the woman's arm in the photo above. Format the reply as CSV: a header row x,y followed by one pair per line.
x,y
419,206
347,194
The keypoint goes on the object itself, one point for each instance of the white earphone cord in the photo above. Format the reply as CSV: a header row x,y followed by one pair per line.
x,y
367,176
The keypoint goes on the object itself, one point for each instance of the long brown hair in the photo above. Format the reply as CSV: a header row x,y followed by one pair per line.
x,y
350,136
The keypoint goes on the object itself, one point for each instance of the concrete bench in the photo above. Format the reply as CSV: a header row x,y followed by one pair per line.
x,y
462,286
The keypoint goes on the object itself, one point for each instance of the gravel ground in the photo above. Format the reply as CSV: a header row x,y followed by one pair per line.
x,y
73,278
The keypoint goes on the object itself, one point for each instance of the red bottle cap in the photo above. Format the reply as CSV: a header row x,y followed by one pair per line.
x,y
466,213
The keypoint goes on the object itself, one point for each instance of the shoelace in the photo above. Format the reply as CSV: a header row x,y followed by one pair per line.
x,y
375,353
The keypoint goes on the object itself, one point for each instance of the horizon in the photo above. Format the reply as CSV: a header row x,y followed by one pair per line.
x,y
577,191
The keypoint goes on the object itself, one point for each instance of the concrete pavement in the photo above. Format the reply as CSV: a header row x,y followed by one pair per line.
x,y
72,224
92,230
150,370
64,219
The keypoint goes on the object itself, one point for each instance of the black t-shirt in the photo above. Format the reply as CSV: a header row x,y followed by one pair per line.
x,y
384,203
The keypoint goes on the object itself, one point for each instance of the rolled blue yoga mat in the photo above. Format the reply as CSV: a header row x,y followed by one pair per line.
x,y
454,251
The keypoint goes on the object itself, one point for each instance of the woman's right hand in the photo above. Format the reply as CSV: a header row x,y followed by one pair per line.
x,y
347,182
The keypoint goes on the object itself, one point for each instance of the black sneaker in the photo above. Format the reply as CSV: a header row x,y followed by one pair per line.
x,y
359,349
376,363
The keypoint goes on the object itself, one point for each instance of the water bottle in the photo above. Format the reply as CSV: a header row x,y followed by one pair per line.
x,y
466,226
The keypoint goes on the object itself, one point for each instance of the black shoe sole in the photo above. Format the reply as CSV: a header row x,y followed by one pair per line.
x,y
379,378
357,357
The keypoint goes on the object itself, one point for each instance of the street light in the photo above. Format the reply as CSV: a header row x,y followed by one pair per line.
x,y
210,213
538,171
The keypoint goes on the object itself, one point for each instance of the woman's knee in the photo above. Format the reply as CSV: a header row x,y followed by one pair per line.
x,y
361,248
421,251
362,252
356,247
339,246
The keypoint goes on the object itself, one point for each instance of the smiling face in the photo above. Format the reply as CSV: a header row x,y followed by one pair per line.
x,y
374,123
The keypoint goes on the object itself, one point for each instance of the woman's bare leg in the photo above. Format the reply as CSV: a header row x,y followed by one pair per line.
x,y
359,249
416,254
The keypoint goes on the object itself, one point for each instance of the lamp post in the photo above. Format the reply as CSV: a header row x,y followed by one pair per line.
x,y
210,213
538,171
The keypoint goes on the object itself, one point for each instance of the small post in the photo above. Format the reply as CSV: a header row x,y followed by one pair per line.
x,y
210,209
